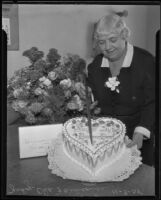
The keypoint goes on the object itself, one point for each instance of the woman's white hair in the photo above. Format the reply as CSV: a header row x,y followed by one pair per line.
x,y
112,23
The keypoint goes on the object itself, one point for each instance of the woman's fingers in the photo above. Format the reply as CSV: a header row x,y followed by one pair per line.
x,y
137,140
93,105
130,144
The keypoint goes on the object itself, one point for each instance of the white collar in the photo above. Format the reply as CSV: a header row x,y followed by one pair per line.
x,y
127,59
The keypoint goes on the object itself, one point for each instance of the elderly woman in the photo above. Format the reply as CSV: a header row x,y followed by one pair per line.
x,y
122,81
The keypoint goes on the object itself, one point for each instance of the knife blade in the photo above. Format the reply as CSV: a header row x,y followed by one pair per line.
x,y
88,113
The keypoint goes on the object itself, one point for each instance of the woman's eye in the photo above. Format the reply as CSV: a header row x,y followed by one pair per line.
x,y
113,39
101,42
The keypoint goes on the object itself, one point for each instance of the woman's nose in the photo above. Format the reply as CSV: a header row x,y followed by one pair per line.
x,y
107,45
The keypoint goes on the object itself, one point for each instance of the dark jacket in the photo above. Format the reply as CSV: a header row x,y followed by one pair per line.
x,y
135,104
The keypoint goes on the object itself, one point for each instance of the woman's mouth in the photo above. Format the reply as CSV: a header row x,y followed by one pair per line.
x,y
109,52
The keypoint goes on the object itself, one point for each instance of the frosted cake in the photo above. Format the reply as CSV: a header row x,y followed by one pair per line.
x,y
108,142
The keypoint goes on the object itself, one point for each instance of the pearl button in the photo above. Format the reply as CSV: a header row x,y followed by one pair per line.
x,y
133,98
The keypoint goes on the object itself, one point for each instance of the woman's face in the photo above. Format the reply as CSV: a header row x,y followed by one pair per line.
x,y
112,46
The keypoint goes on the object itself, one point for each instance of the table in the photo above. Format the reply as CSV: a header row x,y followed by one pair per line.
x,y
31,176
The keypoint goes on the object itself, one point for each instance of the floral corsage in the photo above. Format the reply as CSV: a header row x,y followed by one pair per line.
x,y
113,84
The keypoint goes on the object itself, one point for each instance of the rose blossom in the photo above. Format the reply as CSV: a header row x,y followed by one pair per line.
x,y
16,105
52,76
36,107
47,82
30,118
22,104
80,88
42,79
72,106
38,91
78,102
66,83
17,92
75,103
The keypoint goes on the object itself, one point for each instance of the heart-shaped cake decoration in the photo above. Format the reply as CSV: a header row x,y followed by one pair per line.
x,y
106,132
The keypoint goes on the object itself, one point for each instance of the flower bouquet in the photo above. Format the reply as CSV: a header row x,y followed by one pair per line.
x,y
50,90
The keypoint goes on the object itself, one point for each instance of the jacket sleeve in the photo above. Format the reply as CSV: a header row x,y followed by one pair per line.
x,y
148,107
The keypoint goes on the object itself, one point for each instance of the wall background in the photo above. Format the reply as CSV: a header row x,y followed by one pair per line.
x,y
68,28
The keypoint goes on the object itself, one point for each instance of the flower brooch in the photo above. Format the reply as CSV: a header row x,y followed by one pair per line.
x,y
112,83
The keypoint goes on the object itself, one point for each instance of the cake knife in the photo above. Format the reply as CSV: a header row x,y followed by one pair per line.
x,y
88,112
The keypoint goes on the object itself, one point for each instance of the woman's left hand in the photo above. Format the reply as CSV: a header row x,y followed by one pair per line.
x,y
136,140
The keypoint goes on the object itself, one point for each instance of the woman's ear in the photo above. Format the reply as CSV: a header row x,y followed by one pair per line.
x,y
95,49
125,33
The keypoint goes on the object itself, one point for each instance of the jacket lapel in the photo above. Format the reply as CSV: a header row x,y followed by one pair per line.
x,y
135,76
